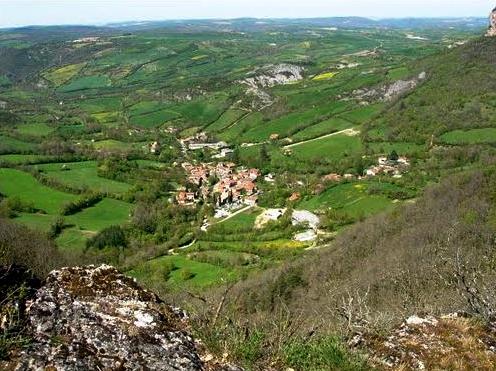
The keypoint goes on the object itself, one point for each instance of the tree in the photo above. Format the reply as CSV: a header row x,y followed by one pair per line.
x,y
113,236
264,155
393,156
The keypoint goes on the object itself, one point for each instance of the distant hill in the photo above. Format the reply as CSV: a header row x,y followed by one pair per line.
x,y
252,24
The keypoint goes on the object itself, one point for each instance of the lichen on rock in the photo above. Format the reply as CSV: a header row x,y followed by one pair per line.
x,y
95,318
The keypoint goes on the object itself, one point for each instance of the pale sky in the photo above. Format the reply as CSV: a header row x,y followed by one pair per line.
x,y
49,12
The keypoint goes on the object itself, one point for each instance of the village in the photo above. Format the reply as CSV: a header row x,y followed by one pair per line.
x,y
222,183
232,189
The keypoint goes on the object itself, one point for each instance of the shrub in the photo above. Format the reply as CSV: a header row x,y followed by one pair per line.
x,y
9,207
326,353
186,274
84,202
56,228
113,236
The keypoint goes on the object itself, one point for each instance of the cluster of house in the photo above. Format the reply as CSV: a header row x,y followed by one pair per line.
x,y
388,166
232,185
385,166
333,177
200,141
90,39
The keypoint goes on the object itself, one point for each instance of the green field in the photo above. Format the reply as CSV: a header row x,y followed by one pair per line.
x,y
61,75
85,83
79,227
362,115
23,159
112,144
203,274
38,129
243,220
28,189
101,104
204,110
153,119
288,124
473,136
104,214
234,132
40,222
227,119
351,198
9,144
332,148
325,127
82,174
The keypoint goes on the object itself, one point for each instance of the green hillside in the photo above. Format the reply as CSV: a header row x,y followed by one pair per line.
x,y
197,157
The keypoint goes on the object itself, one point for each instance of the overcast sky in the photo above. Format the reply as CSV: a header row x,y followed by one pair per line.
x,y
49,12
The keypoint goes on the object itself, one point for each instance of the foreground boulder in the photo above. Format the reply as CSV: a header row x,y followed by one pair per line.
x,y
95,318
452,342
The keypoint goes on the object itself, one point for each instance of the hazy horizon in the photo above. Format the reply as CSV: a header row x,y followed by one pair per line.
x,y
21,13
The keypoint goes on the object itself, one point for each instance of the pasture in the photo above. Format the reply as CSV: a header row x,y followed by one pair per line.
x,y
352,198
86,83
35,129
322,128
61,75
179,272
473,136
82,175
104,214
331,148
16,183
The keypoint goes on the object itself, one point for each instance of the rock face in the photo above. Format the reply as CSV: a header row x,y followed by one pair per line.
x,y
492,24
269,76
452,342
388,93
276,75
95,318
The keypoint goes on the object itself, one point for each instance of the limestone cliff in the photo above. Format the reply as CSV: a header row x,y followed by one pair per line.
x,y
492,24
94,318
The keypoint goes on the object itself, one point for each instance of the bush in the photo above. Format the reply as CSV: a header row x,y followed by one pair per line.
x,y
74,207
9,207
56,228
186,274
327,353
113,236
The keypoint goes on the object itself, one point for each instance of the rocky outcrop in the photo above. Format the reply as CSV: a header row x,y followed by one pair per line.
x,y
452,342
270,76
273,75
94,318
492,24
387,93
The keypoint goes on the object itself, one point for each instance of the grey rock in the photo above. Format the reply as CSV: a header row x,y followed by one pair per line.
x,y
94,318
